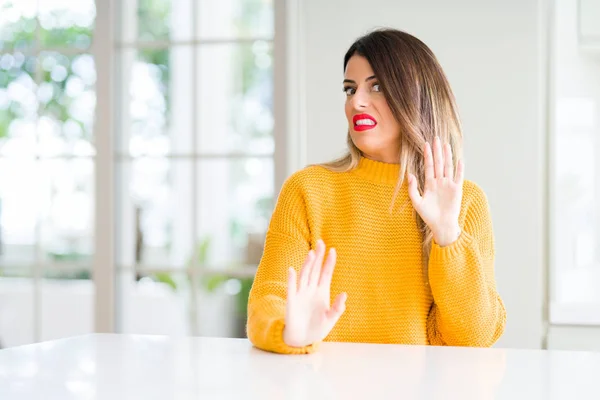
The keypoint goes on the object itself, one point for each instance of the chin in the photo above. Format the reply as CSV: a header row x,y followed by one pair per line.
x,y
372,146
366,143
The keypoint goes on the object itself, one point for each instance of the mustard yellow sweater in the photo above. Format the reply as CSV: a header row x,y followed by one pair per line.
x,y
379,263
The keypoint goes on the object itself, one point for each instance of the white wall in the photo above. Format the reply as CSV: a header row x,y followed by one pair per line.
x,y
493,55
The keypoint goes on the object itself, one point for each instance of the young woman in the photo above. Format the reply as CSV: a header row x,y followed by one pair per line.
x,y
410,243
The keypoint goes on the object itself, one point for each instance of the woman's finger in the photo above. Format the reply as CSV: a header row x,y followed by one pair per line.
x,y
413,190
438,158
428,160
337,308
327,273
317,264
306,269
448,168
292,285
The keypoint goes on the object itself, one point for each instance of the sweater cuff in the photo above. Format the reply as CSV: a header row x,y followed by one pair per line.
x,y
442,255
279,346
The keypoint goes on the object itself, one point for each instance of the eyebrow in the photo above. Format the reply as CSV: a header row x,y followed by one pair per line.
x,y
366,80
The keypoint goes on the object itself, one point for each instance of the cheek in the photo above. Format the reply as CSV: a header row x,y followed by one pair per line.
x,y
348,110
386,115
390,125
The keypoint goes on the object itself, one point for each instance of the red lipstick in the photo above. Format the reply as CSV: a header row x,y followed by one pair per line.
x,y
363,122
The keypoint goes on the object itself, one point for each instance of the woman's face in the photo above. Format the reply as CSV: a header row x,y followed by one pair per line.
x,y
373,128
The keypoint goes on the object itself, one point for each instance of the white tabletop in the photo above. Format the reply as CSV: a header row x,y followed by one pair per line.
x,y
151,367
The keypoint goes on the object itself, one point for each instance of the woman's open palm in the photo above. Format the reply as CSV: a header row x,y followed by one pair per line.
x,y
309,315
439,205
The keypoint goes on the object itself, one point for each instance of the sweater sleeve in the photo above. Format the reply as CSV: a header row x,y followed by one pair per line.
x,y
467,309
287,244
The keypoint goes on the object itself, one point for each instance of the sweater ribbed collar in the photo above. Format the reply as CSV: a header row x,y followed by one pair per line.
x,y
377,171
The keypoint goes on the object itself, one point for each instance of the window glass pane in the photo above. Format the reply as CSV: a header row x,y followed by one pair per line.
x,y
162,303
161,20
18,104
235,19
67,210
16,308
235,200
67,303
17,24
19,210
160,102
154,303
235,90
153,19
164,20
154,210
66,23
67,98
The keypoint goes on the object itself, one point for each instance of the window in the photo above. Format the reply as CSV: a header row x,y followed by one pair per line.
x,y
193,160
575,160
47,100
192,164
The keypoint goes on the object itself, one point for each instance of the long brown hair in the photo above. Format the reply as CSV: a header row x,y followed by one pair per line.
x,y
420,98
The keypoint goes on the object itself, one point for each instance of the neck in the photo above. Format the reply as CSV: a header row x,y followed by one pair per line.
x,y
386,160
383,158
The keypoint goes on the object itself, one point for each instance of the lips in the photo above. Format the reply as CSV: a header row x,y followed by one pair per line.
x,y
363,122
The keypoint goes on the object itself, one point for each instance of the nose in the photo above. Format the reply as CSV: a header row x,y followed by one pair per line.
x,y
360,100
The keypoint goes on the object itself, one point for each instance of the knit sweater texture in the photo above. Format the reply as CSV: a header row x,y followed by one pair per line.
x,y
392,296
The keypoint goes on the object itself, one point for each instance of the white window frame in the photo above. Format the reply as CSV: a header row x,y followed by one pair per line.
x,y
289,152
36,269
560,314
104,261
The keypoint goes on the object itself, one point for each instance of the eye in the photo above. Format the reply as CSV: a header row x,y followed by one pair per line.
x,y
349,90
377,87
